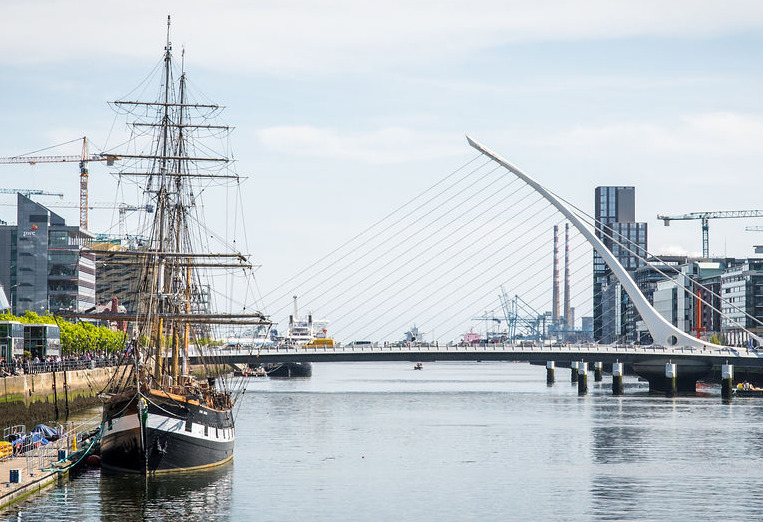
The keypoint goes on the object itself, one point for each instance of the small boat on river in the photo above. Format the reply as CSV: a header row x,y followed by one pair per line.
x,y
745,389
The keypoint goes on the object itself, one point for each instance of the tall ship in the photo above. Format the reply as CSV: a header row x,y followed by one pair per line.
x,y
157,417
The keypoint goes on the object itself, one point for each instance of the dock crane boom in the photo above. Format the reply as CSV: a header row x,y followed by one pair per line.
x,y
83,160
706,217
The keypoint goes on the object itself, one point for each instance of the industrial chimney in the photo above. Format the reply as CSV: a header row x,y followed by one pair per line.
x,y
568,319
555,305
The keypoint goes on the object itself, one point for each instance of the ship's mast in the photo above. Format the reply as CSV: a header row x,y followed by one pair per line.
x,y
170,301
162,206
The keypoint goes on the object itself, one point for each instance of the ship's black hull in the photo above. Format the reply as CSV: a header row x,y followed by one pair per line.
x,y
164,435
287,370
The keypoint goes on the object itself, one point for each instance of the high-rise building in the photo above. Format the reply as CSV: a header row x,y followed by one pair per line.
x,y
615,213
118,279
742,306
43,264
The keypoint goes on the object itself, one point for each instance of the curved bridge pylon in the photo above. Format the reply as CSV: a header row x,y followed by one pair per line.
x,y
663,332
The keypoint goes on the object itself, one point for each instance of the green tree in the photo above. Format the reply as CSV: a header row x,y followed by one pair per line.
x,y
76,338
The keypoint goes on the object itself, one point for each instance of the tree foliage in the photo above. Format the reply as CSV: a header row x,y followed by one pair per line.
x,y
76,338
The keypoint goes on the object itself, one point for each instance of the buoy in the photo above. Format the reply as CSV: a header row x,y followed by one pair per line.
x,y
93,461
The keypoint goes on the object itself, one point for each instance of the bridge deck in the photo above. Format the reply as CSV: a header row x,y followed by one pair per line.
x,y
740,357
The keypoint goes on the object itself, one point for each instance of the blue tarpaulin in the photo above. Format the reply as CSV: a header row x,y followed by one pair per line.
x,y
46,431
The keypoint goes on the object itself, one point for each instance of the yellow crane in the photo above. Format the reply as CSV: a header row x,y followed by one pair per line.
x,y
83,160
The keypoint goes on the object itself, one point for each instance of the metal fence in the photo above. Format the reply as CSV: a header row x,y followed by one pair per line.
x,y
26,367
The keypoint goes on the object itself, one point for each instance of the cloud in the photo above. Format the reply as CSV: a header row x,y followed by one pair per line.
x,y
386,145
335,35
717,134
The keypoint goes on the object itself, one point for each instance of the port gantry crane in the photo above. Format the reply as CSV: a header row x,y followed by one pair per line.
x,y
706,217
83,160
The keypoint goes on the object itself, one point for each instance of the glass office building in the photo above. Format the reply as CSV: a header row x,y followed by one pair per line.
x,y
615,212
44,265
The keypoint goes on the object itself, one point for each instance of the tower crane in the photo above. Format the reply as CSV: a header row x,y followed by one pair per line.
x,y
83,160
706,217
123,208
30,192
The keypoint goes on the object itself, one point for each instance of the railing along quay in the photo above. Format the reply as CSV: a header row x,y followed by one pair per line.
x,y
9,369
34,465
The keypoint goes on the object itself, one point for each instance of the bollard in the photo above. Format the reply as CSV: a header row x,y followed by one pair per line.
x,y
617,378
574,372
727,380
598,370
671,385
582,378
550,366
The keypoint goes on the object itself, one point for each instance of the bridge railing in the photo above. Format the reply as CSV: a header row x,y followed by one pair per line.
x,y
515,347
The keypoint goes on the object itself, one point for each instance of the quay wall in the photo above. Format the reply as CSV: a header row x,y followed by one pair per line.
x,y
33,398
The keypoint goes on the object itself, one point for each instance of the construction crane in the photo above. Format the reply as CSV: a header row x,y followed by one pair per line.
x,y
706,217
754,229
123,208
31,192
83,160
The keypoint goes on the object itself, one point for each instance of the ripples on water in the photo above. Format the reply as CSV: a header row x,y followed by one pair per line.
x,y
457,441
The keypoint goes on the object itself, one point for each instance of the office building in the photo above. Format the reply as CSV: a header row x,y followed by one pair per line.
x,y
44,265
615,213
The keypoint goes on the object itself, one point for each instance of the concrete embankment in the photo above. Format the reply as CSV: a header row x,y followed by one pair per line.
x,y
33,398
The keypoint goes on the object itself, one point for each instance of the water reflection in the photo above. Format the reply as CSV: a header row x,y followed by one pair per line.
x,y
618,497
199,495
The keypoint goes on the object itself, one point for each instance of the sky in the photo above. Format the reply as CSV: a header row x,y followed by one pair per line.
x,y
344,109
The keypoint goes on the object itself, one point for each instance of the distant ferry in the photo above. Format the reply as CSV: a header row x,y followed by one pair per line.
x,y
302,333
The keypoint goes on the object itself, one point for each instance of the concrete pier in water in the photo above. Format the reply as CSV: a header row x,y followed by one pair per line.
x,y
671,380
582,378
727,381
617,378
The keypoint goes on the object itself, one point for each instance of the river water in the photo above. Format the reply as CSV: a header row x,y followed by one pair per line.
x,y
456,441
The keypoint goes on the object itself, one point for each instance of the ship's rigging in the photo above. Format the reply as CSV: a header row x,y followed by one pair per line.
x,y
166,419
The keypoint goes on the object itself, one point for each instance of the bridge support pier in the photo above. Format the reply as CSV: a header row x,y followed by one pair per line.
x,y
550,367
727,381
598,370
684,381
671,380
574,372
582,378
617,378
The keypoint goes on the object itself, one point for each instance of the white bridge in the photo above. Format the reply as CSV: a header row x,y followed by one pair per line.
x,y
607,353
675,354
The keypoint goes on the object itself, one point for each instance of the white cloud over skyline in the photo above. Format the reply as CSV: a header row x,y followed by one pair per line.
x,y
302,35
